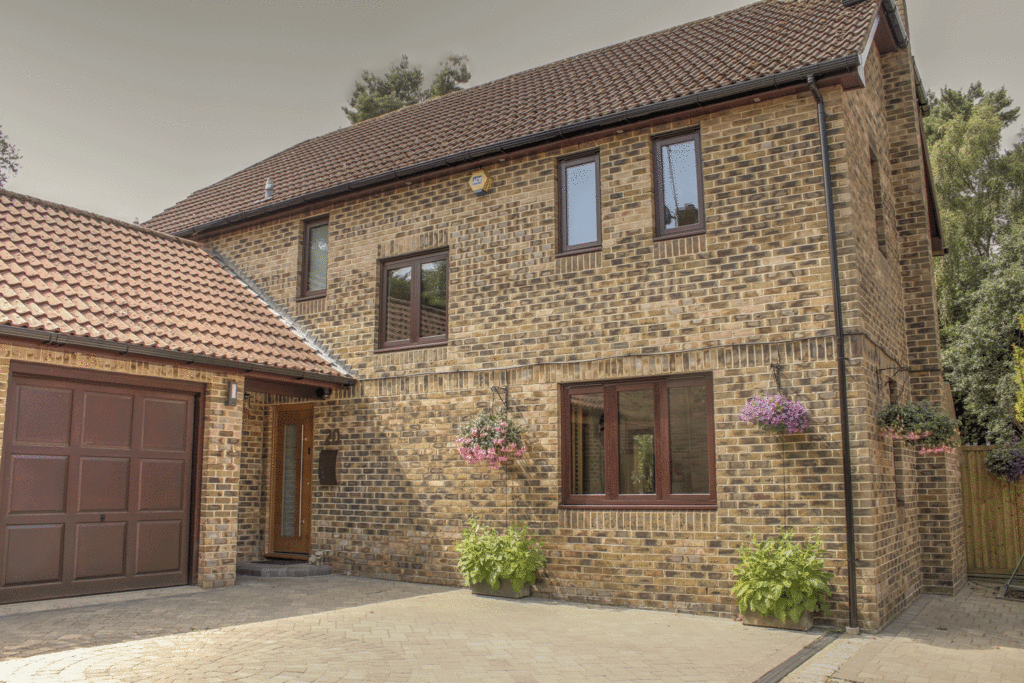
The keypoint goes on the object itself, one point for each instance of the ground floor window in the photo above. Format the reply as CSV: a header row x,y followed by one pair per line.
x,y
639,443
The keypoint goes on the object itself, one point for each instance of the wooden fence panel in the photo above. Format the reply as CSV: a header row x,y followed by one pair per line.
x,y
993,516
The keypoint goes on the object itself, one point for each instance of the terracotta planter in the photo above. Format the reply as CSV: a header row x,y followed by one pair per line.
x,y
504,590
772,621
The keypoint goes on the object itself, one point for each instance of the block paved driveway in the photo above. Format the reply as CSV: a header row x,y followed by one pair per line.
x,y
339,628
972,637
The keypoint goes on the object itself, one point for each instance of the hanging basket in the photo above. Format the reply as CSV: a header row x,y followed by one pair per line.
x,y
776,414
927,426
492,438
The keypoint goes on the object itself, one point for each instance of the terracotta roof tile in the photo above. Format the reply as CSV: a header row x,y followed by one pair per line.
x,y
135,286
761,40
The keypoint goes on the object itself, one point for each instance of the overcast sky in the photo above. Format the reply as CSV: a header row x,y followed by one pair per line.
x,y
123,107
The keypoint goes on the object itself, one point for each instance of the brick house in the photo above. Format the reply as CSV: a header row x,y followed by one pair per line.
x,y
656,248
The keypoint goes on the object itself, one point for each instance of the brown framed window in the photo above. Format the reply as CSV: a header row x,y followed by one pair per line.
x,y
639,443
314,260
414,301
678,186
579,191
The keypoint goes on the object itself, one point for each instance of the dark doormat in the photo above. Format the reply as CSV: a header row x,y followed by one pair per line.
x,y
279,568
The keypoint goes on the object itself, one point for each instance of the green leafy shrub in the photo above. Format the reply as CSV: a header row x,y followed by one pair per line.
x,y
781,577
1006,461
928,426
485,556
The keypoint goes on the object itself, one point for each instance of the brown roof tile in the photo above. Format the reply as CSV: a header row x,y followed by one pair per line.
x,y
75,273
758,41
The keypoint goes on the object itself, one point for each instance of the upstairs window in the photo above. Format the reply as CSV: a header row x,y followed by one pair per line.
x,y
580,199
678,186
314,260
639,443
414,301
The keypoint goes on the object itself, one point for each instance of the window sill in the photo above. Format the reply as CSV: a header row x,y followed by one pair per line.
x,y
576,252
677,235
640,508
411,347
312,296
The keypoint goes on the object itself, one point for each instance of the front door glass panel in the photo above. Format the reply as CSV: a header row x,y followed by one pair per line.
x,y
290,495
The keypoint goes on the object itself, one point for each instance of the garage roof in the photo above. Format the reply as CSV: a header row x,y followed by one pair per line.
x,y
72,277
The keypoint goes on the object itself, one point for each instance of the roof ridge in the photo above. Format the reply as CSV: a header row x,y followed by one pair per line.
x,y
463,125
36,201
501,79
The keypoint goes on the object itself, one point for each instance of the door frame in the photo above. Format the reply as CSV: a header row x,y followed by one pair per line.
x,y
197,389
306,484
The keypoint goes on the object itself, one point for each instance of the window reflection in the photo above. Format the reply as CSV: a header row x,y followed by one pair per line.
x,y
399,303
679,183
587,439
316,275
580,203
679,175
688,438
636,441
434,299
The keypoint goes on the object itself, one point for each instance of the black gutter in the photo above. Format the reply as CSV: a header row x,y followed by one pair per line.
x,y
899,31
837,306
57,339
793,77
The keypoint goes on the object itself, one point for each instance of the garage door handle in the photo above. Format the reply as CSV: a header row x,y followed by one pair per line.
x,y
103,517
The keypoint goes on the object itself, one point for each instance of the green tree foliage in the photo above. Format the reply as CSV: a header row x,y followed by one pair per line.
x,y
980,281
401,86
9,158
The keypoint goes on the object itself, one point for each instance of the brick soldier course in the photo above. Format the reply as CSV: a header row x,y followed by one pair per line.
x,y
749,290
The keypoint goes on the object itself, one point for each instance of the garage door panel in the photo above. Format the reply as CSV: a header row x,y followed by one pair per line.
x,y
98,497
103,484
160,485
158,547
100,550
44,415
107,419
34,553
164,424
39,484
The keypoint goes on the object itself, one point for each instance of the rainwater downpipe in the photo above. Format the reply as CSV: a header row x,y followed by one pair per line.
x,y
844,409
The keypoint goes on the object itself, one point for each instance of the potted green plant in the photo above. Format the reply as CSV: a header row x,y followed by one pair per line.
x,y
781,583
927,426
503,565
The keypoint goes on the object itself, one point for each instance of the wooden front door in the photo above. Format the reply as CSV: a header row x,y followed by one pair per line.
x,y
293,482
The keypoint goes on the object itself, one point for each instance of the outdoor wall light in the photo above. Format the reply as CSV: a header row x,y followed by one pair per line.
x,y
232,398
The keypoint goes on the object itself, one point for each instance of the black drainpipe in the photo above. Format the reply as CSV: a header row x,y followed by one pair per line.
x,y
837,305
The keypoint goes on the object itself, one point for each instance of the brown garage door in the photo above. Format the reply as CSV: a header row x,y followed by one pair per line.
x,y
96,488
